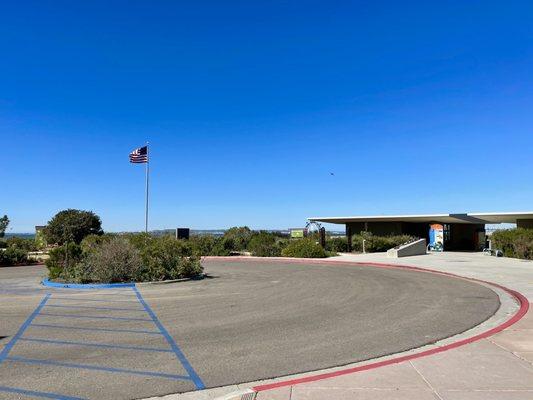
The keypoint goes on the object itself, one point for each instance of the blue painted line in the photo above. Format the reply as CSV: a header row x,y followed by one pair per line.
x,y
95,329
94,317
44,395
49,283
21,330
181,357
92,344
96,308
96,368
104,300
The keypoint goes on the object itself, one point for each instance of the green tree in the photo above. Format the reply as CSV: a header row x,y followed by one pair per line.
x,y
72,226
4,222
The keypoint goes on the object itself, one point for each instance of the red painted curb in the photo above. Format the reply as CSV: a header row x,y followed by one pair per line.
x,y
522,300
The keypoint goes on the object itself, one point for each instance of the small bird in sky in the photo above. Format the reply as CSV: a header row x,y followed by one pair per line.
x,y
332,174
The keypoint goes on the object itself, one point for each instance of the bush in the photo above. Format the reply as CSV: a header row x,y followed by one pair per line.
x,y
337,244
72,226
239,237
14,256
224,246
304,248
167,258
139,240
517,243
203,245
92,242
374,244
57,262
22,243
114,260
264,244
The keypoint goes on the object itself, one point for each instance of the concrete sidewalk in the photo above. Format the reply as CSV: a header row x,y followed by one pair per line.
x,y
498,367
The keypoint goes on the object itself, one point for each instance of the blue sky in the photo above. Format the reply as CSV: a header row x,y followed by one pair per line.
x,y
416,107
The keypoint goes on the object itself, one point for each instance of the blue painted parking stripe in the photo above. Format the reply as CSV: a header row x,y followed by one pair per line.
x,y
94,317
33,393
96,368
21,330
95,307
92,344
95,329
188,367
104,300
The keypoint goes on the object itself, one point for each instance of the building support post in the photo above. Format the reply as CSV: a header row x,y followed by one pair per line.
x,y
349,237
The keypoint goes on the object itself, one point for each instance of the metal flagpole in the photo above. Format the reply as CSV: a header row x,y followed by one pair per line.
x,y
147,181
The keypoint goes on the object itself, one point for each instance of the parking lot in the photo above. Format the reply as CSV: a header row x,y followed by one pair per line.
x,y
248,320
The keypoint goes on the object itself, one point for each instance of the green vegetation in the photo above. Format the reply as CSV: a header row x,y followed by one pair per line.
x,y
167,258
19,243
304,248
265,244
374,244
516,243
63,262
239,236
14,250
14,256
337,244
72,226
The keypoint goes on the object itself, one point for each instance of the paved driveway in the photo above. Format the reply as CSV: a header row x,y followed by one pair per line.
x,y
248,321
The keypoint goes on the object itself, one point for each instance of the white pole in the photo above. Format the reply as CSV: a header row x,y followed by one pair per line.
x,y
147,181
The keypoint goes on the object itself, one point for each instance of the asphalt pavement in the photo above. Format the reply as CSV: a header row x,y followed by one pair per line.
x,y
248,320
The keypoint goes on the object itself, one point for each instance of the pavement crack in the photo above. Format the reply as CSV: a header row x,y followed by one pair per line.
x,y
426,381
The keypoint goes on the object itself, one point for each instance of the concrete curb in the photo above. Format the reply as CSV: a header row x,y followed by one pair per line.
x,y
65,285
49,283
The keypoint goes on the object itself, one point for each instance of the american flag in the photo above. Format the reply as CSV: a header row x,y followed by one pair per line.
x,y
139,156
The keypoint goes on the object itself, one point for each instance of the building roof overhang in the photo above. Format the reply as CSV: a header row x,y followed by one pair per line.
x,y
461,218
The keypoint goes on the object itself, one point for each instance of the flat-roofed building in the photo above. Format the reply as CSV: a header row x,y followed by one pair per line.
x,y
463,231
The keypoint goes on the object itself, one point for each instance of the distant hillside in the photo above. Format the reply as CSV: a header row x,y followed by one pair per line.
x,y
21,235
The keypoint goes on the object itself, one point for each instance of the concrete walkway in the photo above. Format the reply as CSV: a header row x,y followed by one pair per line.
x,y
498,367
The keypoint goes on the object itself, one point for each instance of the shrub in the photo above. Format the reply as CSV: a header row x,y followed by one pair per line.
x,y
203,245
167,258
304,248
337,244
13,256
72,226
240,237
139,240
264,244
114,260
22,243
224,246
517,243
374,244
58,262
92,242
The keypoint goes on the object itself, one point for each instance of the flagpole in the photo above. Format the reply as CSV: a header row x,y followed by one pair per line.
x,y
147,181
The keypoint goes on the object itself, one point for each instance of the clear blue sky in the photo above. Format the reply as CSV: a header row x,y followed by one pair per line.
x,y
414,106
